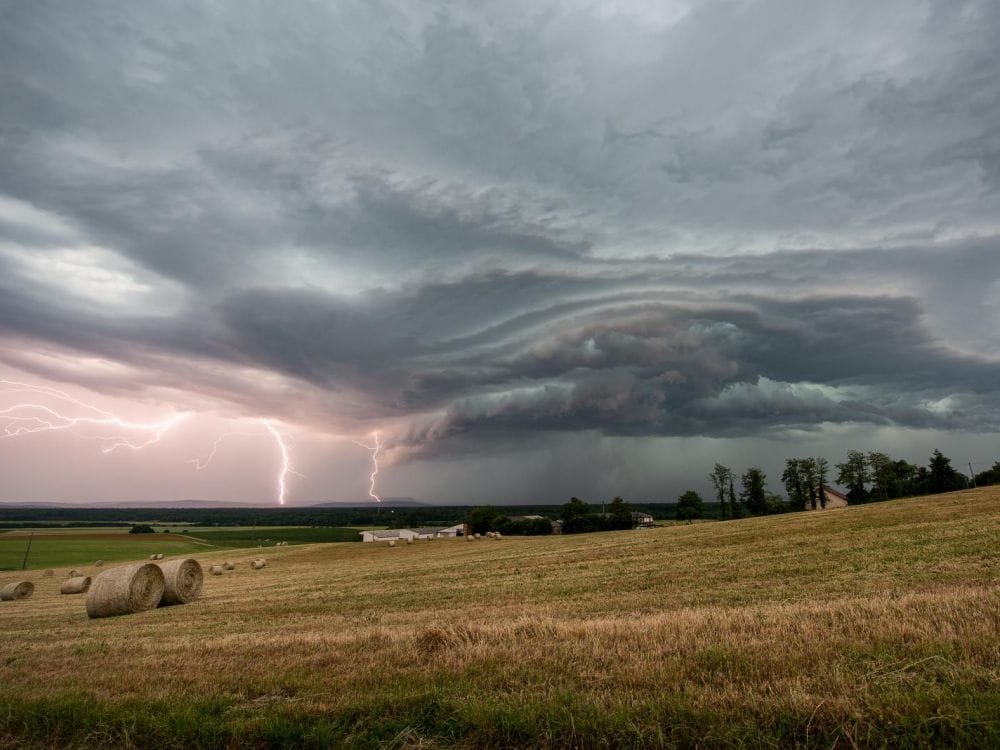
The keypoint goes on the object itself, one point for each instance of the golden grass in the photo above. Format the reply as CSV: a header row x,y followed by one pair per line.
x,y
838,624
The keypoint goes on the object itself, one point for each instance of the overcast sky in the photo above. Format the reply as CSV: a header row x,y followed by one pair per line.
x,y
541,249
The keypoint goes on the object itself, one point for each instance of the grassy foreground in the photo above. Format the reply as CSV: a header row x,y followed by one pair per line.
x,y
864,627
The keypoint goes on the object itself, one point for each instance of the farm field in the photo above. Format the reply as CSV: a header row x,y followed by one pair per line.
x,y
870,626
53,547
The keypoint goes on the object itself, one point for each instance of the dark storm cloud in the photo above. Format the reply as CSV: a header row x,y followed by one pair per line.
x,y
715,219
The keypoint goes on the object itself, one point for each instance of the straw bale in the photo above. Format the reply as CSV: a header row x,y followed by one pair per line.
x,y
17,590
182,581
125,589
78,585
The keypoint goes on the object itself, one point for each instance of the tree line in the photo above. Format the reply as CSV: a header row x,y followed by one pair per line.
x,y
868,477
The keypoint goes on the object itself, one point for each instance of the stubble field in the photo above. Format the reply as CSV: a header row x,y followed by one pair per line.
x,y
869,626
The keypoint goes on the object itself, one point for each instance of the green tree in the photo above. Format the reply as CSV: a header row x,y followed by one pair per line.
x,y
822,469
990,476
142,529
942,475
753,490
881,473
721,478
810,478
482,519
690,506
620,514
795,484
577,517
854,474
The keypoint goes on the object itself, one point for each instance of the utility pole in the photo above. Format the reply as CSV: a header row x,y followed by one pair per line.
x,y
972,475
24,562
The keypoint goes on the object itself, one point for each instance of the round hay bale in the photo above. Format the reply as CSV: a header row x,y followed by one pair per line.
x,y
49,573
159,556
182,581
216,570
124,590
99,563
476,536
228,566
258,564
497,535
17,590
392,542
409,540
153,556
74,573
468,538
78,585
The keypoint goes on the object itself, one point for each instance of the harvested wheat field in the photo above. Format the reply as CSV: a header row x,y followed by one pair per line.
x,y
869,626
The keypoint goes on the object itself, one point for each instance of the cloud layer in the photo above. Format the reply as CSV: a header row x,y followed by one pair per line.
x,y
472,228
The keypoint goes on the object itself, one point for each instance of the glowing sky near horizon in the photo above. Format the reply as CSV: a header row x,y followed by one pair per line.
x,y
540,249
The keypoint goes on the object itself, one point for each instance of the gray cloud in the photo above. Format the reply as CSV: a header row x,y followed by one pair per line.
x,y
711,219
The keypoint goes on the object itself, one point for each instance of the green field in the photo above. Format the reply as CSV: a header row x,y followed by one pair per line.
x,y
52,548
868,627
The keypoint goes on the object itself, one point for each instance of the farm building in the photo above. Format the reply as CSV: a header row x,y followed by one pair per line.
x,y
642,520
388,535
452,531
834,499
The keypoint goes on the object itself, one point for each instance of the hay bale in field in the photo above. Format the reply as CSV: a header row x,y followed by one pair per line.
x,y
125,590
216,570
78,585
476,536
496,535
182,581
99,563
258,563
159,556
49,573
228,566
468,538
392,542
152,557
409,540
17,590
74,573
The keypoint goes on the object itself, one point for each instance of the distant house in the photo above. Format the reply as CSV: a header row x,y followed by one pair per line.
x,y
834,499
452,531
388,535
642,520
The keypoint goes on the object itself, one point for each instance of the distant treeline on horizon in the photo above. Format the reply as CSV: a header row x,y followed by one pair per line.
x,y
18,516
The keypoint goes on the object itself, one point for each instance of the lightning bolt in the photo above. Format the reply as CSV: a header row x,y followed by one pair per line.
x,y
30,418
286,461
201,463
371,479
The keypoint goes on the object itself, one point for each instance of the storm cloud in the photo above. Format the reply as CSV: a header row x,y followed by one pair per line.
x,y
475,227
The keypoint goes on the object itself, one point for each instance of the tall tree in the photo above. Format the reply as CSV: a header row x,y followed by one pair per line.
x,y
794,482
721,477
620,514
690,506
881,473
753,490
943,477
809,472
822,469
854,474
